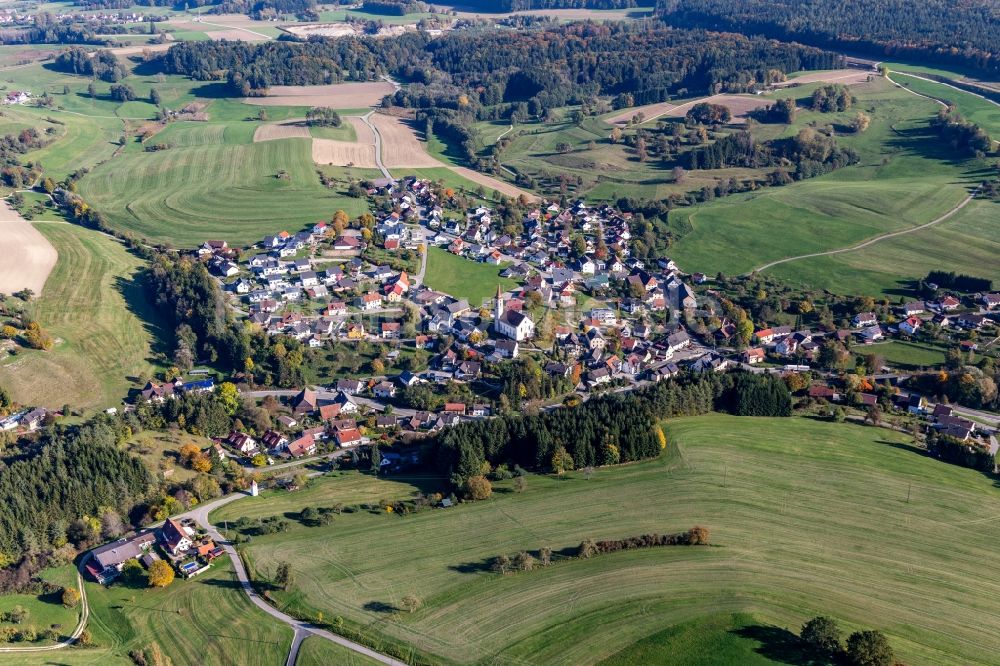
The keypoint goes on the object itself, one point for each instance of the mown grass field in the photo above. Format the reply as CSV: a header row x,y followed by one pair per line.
x,y
806,517
105,328
463,278
905,178
905,355
983,112
216,189
207,620
317,651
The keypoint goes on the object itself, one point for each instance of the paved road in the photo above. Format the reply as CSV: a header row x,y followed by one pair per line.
x,y
872,241
302,629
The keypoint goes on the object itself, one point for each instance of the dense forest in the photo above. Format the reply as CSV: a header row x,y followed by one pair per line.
x,y
74,474
935,31
605,430
545,68
193,301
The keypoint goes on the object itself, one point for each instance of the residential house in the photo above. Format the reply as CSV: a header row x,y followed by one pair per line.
x,y
242,442
105,563
753,355
910,325
865,319
175,537
305,402
349,437
384,390
303,446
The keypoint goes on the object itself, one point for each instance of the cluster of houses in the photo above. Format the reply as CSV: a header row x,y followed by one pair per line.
x,y
179,543
785,342
17,97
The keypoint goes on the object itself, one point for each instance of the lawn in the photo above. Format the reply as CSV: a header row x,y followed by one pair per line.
x,y
317,651
461,278
905,355
806,517
105,328
347,488
905,178
207,621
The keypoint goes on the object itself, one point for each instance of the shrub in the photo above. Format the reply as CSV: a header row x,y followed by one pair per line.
x,y
70,597
478,488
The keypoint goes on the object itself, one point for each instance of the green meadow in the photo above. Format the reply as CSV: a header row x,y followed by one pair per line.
x,y
106,331
462,278
806,518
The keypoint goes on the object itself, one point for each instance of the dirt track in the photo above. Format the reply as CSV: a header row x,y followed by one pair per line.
x,y
336,96
738,105
844,76
28,255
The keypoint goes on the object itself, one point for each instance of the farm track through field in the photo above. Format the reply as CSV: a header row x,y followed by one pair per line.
x,y
72,638
872,241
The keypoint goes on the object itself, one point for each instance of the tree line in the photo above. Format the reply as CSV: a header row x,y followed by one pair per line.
x,y
609,429
960,134
941,32
101,64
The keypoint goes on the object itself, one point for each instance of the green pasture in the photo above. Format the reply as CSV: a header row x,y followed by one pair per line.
x,y
463,278
349,489
206,620
317,651
966,243
905,179
96,308
806,518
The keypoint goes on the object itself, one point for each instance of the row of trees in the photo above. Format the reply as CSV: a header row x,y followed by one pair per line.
x,y
605,430
809,152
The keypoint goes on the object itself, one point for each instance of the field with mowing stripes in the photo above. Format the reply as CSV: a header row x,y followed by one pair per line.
x,y
806,517
214,183
104,327
207,621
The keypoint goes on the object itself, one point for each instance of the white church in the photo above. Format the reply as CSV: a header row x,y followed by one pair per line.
x,y
511,324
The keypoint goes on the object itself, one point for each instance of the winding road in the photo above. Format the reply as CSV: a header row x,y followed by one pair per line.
x,y
72,638
302,629
871,241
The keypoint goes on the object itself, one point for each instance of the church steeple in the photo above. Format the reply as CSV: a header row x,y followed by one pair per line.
x,y
498,305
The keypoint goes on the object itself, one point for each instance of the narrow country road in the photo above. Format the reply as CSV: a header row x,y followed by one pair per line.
x,y
302,629
872,241
72,638
378,144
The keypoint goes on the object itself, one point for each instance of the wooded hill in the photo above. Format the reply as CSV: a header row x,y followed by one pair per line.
x,y
936,31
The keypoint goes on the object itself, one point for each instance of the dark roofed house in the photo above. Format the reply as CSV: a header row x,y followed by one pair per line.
x,y
305,402
174,536
106,561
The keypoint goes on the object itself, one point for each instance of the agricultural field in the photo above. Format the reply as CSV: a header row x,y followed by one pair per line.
x,y
966,242
475,282
32,256
905,179
105,329
219,189
983,112
206,620
758,484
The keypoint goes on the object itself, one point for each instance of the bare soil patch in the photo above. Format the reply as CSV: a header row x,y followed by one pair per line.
x,y
353,95
288,129
343,153
844,76
739,106
400,146
138,49
322,30
28,255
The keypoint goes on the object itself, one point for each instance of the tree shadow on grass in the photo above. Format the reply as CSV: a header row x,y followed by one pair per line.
x,y
136,291
380,607
780,645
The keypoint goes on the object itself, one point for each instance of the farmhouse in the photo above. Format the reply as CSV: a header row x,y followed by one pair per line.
x,y
106,561
175,537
